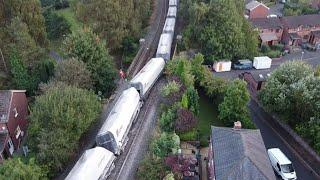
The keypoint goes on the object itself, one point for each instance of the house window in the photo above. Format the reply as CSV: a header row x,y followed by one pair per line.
x,y
278,30
10,146
18,132
15,112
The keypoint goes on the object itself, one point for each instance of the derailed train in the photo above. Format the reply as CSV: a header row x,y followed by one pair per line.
x,y
97,163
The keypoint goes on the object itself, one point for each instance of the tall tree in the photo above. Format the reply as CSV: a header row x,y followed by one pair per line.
x,y
29,11
234,105
57,120
89,48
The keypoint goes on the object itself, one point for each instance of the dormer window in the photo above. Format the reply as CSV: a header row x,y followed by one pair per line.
x,y
15,112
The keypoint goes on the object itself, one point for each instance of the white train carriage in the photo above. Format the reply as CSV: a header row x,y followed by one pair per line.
x,y
148,75
113,133
173,3
94,164
172,12
164,46
169,25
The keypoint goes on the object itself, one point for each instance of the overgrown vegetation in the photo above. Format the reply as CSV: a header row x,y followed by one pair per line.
x,y
299,7
219,29
293,92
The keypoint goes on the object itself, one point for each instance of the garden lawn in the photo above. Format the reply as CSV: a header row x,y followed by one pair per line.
x,y
208,116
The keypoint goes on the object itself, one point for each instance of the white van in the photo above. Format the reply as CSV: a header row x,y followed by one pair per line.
x,y
281,164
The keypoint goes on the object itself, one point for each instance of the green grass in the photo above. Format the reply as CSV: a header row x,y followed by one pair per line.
x,y
208,116
71,18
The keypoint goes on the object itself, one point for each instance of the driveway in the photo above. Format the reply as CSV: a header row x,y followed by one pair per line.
x,y
276,9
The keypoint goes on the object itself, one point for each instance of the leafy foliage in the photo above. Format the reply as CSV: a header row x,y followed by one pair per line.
x,y
234,105
151,168
186,121
87,47
170,88
74,73
164,145
317,71
294,92
219,29
15,169
111,23
21,79
57,120
167,120
57,4
193,100
56,26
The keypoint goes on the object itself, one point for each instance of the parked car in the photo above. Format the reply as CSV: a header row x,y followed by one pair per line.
x,y
281,164
242,64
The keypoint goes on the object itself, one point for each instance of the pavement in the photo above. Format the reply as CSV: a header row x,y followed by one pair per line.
x,y
273,139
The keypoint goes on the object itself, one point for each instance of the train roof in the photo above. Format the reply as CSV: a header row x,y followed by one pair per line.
x,y
146,73
92,164
121,113
173,3
172,12
165,43
169,24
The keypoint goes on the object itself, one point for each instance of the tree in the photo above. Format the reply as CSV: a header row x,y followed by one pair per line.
x,y
20,39
185,120
87,47
29,11
170,88
15,169
116,19
57,120
193,100
56,26
234,105
20,77
74,73
164,145
151,168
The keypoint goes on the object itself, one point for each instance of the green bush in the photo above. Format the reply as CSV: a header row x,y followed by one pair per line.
x,y
265,48
273,54
164,145
168,119
188,136
170,88
56,26
278,47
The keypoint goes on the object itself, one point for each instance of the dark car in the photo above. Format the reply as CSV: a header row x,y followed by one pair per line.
x,y
242,64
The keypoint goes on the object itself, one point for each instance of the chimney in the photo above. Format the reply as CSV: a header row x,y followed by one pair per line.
x,y
237,125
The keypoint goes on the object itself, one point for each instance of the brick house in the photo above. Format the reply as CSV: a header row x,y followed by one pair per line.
x,y
270,30
13,121
314,39
298,29
255,9
237,154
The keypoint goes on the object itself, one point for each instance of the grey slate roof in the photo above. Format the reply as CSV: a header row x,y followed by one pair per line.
x,y
253,4
240,155
5,98
266,23
303,20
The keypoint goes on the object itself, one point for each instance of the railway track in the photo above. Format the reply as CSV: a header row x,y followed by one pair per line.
x,y
148,49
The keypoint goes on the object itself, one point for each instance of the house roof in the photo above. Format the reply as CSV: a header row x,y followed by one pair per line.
x,y
266,23
240,154
5,102
316,33
304,20
254,4
265,37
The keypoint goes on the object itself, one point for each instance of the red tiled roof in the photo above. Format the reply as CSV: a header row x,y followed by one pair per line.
x,y
304,20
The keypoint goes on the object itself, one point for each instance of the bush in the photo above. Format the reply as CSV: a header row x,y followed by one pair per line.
x,y
185,121
188,136
170,88
168,119
273,54
278,47
151,168
164,145
265,48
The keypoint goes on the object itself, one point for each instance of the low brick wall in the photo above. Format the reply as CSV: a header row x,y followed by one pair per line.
x,y
296,142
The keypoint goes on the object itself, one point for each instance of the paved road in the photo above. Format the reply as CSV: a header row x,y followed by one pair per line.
x,y
272,139
312,58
